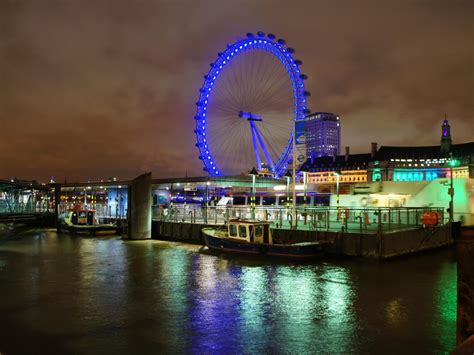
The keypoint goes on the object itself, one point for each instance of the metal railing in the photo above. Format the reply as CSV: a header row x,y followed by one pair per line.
x,y
368,220
19,207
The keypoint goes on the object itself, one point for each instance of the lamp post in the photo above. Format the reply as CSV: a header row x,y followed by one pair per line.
x,y
304,170
452,164
287,177
254,173
171,196
338,174
207,198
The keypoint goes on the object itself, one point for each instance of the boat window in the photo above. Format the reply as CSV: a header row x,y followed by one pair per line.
x,y
258,231
242,231
232,230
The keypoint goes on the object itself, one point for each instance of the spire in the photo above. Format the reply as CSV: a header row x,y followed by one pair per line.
x,y
445,136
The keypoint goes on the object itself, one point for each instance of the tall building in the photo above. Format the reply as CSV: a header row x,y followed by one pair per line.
x,y
323,134
445,137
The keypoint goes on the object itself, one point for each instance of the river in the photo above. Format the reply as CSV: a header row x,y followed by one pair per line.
x,y
70,294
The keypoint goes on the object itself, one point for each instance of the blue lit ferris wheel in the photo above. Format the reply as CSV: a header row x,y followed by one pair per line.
x,y
248,105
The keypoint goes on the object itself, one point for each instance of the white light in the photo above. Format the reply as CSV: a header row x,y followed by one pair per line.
x,y
283,187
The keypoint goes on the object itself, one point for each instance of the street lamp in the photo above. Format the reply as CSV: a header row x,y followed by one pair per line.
x,y
304,170
287,177
338,174
171,196
254,173
452,164
207,197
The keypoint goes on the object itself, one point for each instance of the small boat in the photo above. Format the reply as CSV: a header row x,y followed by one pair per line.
x,y
84,222
255,238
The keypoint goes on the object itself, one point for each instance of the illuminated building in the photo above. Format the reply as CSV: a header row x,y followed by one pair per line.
x,y
396,163
423,163
352,168
323,132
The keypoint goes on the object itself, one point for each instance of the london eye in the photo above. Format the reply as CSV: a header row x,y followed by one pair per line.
x,y
248,105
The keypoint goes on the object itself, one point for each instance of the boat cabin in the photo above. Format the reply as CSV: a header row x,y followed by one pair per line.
x,y
257,232
81,217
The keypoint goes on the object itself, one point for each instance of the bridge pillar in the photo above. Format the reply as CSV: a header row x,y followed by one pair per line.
x,y
139,224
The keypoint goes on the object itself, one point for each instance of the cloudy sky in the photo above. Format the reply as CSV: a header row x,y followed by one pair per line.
x,y
92,89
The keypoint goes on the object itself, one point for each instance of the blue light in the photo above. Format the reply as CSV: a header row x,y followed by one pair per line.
x,y
291,65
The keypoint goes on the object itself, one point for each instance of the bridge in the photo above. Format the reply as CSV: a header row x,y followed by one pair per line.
x,y
25,201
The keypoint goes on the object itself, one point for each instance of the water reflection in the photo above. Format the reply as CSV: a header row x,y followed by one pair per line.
x,y
254,309
395,312
87,295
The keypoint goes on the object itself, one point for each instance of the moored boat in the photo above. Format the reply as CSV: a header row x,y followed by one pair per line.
x,y
85,222
255,238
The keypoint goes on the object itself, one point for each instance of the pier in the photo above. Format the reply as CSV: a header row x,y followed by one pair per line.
x,y
374,232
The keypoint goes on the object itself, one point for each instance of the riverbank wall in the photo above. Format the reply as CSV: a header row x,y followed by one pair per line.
x,y
378,245
465,309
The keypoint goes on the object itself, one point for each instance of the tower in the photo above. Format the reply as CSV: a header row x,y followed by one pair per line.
x,y
323,134
445,137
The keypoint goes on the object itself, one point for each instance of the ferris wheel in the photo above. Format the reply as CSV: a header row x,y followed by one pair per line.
x,y
248,105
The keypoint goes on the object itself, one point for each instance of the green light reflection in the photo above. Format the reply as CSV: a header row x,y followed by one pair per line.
x,y
446,305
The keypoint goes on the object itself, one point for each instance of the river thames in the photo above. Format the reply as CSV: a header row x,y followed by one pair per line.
x,y
70,294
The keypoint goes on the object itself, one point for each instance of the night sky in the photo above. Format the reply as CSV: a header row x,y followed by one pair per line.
x,y
94,89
